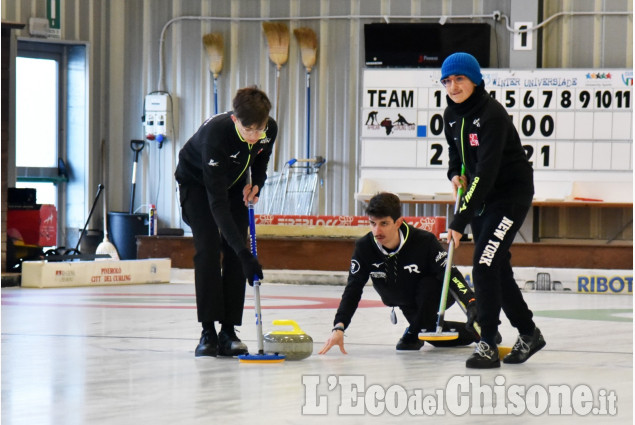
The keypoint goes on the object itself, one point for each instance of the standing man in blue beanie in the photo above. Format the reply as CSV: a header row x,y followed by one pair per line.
x,y
498,187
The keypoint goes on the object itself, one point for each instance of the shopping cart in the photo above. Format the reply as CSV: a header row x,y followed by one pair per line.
x,y
292,190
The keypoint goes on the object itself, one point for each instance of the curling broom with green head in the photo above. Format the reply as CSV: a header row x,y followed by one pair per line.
x,y
439,335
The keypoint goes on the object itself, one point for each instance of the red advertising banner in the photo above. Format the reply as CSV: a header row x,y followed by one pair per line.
x,y
434,225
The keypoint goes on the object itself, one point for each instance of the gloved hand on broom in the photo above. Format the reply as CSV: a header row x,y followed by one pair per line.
x,y
251,266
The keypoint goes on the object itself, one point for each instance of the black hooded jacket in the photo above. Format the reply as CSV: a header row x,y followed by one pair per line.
x,y
217,158
482,136
396,274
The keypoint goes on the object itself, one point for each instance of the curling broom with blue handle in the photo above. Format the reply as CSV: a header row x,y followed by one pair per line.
x,y
261,357
215,47
308,51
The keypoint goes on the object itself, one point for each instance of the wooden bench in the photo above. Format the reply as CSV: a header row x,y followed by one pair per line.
x,y
594,195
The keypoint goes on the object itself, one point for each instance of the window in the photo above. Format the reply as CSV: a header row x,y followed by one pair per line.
x,y
37,125
52,129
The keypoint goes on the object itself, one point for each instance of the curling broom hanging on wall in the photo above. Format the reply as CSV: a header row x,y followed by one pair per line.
x,y
278,40
215,49
308,49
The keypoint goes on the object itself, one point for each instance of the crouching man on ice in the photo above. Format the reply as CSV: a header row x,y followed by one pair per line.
x,y
406,266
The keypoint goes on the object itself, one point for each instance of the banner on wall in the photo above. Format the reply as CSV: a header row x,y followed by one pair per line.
x,y
583,281
435,225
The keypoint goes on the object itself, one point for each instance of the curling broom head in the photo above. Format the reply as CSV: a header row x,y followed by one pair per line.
x,y
278,39
261,358
308,46
438,336
214,46
503,351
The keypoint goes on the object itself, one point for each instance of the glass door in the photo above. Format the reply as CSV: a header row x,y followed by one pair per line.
x,y
37,126
52,121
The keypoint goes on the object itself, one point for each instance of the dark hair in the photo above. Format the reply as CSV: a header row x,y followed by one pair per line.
x,y
251,106
384,204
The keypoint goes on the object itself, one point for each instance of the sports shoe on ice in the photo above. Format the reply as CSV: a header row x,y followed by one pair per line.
x,y
409,342
208,345
484,357
525,347
229,344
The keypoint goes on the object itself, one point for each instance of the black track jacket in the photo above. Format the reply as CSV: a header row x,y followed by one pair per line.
x,y
217,158
481,135
394,275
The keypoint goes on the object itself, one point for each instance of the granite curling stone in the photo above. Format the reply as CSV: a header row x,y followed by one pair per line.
x,y
294,344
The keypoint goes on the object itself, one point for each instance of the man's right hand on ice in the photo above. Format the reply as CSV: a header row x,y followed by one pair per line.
x,y
336,338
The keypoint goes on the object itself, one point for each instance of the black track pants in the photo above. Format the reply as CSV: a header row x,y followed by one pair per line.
x,y
420,305
220,292
494,284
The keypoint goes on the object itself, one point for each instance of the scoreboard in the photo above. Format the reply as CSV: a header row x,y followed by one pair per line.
x,y
570,121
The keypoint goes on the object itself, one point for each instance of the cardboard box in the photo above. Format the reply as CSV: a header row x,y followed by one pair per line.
x,y
44,274
38,225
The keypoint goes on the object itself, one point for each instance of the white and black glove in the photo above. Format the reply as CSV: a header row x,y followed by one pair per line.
x,y
251,266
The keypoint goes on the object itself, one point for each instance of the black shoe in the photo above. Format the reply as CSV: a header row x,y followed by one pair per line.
x,y
229,344
409,342
525,347
208,345
484,357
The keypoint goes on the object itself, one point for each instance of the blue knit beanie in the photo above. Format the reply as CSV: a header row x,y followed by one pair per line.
x,y
462,64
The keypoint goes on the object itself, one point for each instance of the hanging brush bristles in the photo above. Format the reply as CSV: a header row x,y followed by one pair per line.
x,y
308,46
215,48
278,40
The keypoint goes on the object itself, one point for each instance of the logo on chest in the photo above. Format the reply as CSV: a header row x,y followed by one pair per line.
x,y
473,139
412,268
